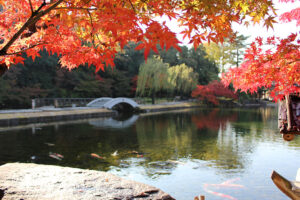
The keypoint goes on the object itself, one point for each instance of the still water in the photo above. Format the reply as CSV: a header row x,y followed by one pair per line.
x,y
222,154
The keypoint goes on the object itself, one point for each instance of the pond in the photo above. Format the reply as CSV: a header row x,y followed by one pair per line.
x,y
219,153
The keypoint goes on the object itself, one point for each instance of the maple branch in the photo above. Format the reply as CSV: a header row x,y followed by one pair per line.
x,y
39,8
31,6
92,36
32,20
132,6
102,43
23,50
294,61
74,8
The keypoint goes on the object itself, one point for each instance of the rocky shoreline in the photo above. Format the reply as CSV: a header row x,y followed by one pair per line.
x,y
30,181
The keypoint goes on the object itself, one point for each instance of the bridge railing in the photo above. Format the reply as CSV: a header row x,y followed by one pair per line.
x,y
60,102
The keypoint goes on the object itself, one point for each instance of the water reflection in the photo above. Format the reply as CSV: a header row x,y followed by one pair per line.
x,y
120,121
223,137
214,119
190,147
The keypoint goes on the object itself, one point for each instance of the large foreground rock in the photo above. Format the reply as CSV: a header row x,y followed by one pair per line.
x,y
32,181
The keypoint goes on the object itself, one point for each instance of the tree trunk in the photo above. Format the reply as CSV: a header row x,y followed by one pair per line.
x,y
153,98
288,112
3,69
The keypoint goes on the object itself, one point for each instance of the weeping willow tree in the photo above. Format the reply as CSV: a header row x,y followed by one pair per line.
x,y
182,78
152,78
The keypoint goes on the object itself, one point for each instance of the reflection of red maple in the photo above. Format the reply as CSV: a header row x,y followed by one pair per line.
x,y
211,91
213,120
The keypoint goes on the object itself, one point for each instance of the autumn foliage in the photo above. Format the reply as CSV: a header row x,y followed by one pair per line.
x,y
212,91
92,31
272,63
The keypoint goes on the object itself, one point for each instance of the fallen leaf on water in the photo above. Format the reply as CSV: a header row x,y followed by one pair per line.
x,y
115,153
55,156
200,197
136,152
96,156
59,155
176,162
49,144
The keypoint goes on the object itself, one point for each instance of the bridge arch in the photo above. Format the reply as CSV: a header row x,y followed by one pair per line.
x,y
110,103
99,102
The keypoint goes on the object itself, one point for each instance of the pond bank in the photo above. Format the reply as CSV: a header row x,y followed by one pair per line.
x,y
18,117
35,181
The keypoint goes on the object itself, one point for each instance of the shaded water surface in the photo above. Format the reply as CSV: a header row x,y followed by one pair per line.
x,y
222,154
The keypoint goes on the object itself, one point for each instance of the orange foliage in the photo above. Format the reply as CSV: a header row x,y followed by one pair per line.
x,y
92,31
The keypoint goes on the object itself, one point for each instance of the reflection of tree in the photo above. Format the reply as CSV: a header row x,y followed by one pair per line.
x,y
165,136
171,137
163,139
213,120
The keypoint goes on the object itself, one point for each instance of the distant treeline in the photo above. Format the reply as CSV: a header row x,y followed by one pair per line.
x,y
44,76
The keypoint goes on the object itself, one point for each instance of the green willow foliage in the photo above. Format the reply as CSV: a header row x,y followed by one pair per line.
x,y
153,77
156,76
182,78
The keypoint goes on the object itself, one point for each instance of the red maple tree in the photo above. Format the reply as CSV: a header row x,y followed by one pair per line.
x,y
212,91
92,31
276,67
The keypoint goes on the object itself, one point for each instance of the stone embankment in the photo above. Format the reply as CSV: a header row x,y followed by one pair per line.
x,y
42,182
18,117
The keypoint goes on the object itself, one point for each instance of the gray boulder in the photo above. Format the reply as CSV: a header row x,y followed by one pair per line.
x,y
34,181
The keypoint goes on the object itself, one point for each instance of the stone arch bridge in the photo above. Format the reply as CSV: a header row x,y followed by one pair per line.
x,y
120,103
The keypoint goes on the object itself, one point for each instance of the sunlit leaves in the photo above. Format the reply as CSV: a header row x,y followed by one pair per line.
x,y
278,70
292,15
92,31
273,63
